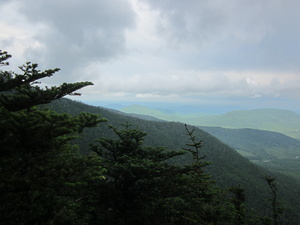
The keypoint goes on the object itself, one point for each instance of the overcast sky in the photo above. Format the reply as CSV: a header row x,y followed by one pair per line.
x,y
239,53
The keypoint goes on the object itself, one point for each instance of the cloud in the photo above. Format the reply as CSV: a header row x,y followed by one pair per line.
x,y
75,33
204,21
246,84
161,49
244,34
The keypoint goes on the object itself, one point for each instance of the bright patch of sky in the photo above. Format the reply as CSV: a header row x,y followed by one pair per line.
x,y
236,54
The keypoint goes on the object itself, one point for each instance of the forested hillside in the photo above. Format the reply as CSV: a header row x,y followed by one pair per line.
x,y
271,150
228,167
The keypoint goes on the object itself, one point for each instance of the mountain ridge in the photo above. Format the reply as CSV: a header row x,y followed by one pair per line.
x,y
278,120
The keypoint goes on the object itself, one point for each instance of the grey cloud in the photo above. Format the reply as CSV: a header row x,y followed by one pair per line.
x,y
3,2
245,34
213,19
77,32
188,21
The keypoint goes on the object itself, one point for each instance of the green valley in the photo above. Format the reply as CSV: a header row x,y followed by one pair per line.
x,y
271,150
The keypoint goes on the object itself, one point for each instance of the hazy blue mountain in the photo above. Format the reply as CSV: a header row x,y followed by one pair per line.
x,y
114,106
144,117
184,108
163,114
278,120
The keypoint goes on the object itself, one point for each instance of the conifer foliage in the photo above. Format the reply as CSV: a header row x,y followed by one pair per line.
x,y
41,174
136,178
143,187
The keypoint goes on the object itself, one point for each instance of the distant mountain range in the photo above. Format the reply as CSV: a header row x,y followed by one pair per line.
x,y
263,146
278,120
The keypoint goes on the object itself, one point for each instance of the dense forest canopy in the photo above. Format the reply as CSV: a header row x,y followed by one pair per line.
x,y
124,177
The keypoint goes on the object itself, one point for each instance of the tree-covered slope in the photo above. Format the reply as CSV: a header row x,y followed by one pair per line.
x,y
270,150
229,168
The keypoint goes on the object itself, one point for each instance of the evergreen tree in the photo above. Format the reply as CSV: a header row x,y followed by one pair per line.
x,y
198,200
277,209
135,175
238,202
143,187
42,176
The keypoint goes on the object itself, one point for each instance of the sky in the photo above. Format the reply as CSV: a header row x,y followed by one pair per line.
x,y
233,54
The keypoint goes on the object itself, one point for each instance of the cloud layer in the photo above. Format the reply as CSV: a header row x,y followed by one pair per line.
x,y
162,49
